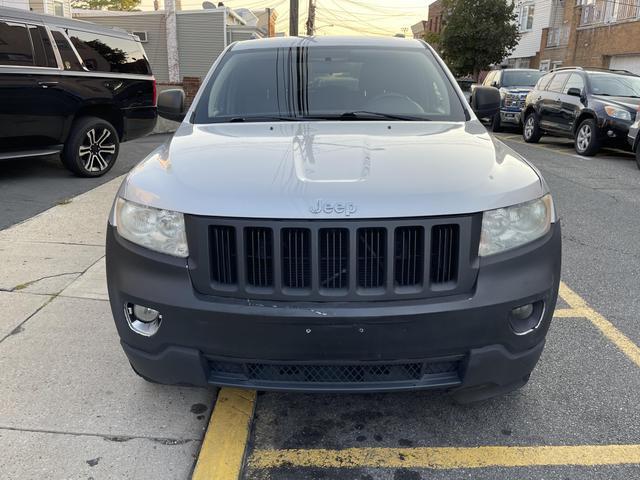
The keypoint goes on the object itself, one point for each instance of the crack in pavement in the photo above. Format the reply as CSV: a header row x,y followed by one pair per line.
x,y
107,437
22,286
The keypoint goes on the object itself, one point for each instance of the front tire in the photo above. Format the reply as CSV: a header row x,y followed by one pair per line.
x,y
587,141
92,147
531,129
638,155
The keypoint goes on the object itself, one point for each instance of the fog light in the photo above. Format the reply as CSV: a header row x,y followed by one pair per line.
x,y
142,320
526,318
145,314
521,313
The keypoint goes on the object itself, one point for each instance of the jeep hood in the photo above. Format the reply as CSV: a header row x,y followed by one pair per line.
x,y
379,169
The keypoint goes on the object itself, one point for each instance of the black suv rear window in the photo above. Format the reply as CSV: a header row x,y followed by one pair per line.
x,y
42,49
15,44
102,53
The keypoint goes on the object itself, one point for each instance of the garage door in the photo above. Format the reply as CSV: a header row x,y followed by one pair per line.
x,y
626,62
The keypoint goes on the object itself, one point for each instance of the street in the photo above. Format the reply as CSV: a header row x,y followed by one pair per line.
x,y
73,408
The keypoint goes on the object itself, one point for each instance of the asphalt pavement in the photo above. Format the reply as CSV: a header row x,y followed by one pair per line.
x,y
29,186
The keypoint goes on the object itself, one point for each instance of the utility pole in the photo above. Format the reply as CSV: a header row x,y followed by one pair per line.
x,y
311,18
293,17
173,61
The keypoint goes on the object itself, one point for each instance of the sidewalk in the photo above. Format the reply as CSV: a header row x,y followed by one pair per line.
x,y
70,405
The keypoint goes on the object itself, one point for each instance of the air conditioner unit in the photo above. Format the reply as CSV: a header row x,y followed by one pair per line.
x,y
142,36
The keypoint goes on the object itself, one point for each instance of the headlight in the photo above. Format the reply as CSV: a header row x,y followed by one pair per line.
x,y
619,113
159,230
510,227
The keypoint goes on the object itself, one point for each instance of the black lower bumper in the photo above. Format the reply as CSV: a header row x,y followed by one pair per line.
x,y
465,343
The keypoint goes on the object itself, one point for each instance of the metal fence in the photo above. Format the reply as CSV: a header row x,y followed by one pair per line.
x,y
610,11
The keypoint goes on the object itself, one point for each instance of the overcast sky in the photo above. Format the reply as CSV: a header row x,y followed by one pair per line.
x,y
336,17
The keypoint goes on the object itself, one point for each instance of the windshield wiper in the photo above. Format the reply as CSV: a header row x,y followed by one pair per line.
x,y
363,114
263,118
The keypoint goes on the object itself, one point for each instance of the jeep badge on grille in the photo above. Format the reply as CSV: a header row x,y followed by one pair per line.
x,y
341,208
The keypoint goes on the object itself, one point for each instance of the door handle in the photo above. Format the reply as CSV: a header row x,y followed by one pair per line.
x,y
47,84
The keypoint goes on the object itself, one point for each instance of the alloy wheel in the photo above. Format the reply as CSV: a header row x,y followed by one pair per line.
x,y
584,137
97,149
528,127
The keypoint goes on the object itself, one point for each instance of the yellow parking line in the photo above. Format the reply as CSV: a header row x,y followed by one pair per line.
x,y
449,457
608,329
222,452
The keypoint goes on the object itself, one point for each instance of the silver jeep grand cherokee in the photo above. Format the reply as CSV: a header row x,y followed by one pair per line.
x,y
331,216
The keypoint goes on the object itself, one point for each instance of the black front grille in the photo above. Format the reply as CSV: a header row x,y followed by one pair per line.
x,y
334,258
372,256
325,260
444,253
223,254
409,255
259,256
296,258
335,374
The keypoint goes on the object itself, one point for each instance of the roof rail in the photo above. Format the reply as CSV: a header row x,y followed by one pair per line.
x,y
566,68
611,70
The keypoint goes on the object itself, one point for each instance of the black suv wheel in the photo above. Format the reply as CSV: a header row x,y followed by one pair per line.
x,y
531,129
638,155
587,141
92,147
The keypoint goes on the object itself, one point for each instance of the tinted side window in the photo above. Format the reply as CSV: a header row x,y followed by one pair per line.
x,y
102,53
42,48
544,81
575,81
69,59
558,81
15,44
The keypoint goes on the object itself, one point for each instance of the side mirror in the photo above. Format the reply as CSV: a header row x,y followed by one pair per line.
x,y
486,101
495,84
574,92
171,104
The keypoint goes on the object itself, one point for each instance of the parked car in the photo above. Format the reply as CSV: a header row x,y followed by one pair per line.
x,y
591,106
514,84
362,235
73,88
634,138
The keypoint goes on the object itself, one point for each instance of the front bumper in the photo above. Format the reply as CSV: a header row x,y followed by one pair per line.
x,y
462,342
510,115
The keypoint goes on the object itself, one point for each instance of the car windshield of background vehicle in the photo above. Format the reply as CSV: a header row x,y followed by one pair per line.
x,y
103,53
520,79
615,85
329,83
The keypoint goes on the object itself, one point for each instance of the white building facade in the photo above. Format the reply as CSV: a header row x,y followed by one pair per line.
x,y
61,8
532,17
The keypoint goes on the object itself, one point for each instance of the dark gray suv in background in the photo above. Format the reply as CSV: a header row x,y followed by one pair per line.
x,y
73,88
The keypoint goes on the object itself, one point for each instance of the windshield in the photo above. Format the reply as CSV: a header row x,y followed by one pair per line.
x,y
615,85
346,83
522,78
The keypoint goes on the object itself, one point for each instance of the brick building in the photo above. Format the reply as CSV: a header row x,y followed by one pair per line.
x,y
434,17
593,33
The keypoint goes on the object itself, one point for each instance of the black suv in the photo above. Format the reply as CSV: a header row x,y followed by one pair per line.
x,y
590,105
71,87
514,84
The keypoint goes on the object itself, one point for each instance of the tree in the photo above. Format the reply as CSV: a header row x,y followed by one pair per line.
x,y
477,34
124,5
432,39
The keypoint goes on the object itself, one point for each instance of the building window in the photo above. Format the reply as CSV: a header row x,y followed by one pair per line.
x,y
545,65
526,17
58,9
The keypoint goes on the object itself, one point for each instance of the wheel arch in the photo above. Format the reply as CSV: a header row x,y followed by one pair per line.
x,y
582,117
108,112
